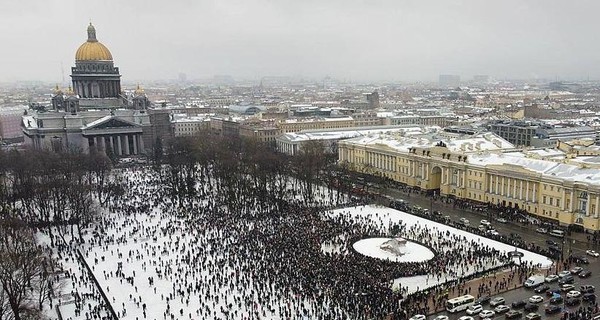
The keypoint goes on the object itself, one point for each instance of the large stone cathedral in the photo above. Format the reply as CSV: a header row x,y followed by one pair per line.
x,y
93,114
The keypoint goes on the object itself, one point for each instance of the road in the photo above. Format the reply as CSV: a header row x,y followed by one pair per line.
x,y
576,243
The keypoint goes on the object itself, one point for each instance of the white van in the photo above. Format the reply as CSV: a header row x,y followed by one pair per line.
x,y
534,281
557,233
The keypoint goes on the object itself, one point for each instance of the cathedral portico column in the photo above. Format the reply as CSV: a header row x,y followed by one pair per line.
x,y
135,148
112,144
103,143
119,146
126,144
141,140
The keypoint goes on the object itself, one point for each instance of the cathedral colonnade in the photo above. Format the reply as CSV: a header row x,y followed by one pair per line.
x,y
120,144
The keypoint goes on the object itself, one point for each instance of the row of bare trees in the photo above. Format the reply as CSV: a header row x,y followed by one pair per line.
x,y
42,190
232,166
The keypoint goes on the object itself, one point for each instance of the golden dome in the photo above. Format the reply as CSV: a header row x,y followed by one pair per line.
x,y
92,50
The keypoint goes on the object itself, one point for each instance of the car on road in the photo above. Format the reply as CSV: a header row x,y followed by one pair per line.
x,y
551,242
487,314
497,301
572,301
564,273
418,317
566,280
485,223
567,287
536,299
533,316
551,278
553,292
585,274
556,300
541,230
588,288
474,309
518,304
493,232
531,307
576,270
466,318
464,221
513,314
501,220
552,309
501,309
573,294
541,289
592,253
589,297
580,259
483,300
441,317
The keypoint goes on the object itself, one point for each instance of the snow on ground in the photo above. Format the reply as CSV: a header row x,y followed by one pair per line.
x,y
414,252
385,217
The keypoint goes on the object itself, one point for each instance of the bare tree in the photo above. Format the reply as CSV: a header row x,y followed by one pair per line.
x,y
23,265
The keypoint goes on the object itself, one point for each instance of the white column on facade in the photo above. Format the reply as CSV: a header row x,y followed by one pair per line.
x,y
126,144
112,144
520,189
135,149
514,188
571,202
534,192
563,205
498,190
527,191
587,205
119,145
141,143
597,203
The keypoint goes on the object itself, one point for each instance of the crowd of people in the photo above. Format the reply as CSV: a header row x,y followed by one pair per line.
x,y
161,257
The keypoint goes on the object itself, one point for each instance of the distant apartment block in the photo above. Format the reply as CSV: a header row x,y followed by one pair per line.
x,y
519,133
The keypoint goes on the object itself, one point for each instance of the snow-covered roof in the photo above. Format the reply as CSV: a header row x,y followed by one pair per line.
x,y
346,134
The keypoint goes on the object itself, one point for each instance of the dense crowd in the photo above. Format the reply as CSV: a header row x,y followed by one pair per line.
x,y
197,258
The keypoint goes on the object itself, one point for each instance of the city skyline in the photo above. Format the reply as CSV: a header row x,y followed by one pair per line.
x,y
349,41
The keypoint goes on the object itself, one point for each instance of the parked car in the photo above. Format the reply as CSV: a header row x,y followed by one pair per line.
x,y
556,300
518,304
536,299
441,317
541,289
552,309
573,294
576,270
589,297
418,317
474,309
592,253
566,280
588,288
485,223
501,220
585,274
551,242
572,301
580,259
501,309
533,316
513,314
487,314
567,287
541,230
553,292
497,301
531,307
483,300
564,273
551,278
466,318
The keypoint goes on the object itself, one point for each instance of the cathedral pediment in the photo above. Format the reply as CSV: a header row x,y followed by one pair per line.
x,y
111,122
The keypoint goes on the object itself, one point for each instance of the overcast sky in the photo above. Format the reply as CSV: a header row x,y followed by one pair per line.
x,y
357,40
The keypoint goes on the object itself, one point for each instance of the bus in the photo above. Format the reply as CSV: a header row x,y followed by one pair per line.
x,y
459,303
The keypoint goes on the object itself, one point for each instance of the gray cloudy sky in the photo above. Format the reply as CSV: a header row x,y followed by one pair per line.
x,y
359,40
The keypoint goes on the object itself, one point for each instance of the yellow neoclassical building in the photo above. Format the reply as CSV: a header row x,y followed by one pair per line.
x,y
486,168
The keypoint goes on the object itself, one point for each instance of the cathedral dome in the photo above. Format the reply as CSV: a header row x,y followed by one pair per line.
x,y
92,50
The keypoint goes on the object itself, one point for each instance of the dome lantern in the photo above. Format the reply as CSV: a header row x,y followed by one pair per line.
x,y
92,49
